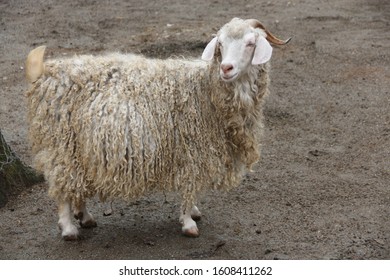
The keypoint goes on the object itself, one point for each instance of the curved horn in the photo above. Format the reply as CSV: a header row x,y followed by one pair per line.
x,y
270,37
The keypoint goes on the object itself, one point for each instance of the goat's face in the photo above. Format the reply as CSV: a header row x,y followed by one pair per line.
x,y
238,54
241,43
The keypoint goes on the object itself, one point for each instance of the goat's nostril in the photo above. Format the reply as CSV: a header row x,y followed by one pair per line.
x,y
226,68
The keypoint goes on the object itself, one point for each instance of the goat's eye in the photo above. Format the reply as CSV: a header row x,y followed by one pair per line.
x,y
250,45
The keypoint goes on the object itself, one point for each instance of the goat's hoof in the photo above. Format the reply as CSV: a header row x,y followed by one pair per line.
x,y
191,232
88,224
196,217
70,237
69,233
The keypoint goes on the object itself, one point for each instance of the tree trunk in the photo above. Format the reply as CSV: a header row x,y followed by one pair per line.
x,y
14,174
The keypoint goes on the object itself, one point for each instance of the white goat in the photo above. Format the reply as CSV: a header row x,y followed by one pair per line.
x,y
121,125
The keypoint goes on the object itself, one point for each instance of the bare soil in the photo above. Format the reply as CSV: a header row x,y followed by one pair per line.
x,y
321,189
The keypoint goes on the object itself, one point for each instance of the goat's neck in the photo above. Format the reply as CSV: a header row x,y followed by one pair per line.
x,y
239,110
244,95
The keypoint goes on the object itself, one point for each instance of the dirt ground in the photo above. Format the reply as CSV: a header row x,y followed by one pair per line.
x,y
321,189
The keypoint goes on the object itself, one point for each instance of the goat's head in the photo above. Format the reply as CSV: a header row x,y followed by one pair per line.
x,y
241,43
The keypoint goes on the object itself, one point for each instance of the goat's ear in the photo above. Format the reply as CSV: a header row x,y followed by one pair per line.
x,y
263,51
209,51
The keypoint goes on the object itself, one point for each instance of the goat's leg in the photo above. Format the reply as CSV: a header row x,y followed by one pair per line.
x,y
85,218
68,230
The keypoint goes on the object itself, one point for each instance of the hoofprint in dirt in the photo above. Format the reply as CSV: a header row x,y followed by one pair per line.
x,y
321,189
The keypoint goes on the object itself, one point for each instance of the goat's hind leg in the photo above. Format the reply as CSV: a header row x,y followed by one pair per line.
x,y
85,218
195,214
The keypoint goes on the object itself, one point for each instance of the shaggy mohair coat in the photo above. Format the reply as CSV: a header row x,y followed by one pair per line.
x,y
121,125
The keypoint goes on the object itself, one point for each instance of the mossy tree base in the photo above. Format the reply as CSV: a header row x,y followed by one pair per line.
x,y
14,174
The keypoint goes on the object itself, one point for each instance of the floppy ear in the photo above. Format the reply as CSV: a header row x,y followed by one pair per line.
x,y
263,51
209,51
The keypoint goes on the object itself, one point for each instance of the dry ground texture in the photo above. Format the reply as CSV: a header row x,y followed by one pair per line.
x,y
321,190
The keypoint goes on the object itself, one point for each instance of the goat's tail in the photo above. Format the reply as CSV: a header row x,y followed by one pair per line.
x,y
34,64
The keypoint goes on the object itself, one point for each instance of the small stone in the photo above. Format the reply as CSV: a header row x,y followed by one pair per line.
x,y
281,257
107,212
149,242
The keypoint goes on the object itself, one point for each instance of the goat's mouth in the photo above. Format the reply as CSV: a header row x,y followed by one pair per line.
x,y
229,78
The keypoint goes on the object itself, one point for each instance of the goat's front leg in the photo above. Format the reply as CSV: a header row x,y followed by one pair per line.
x,y
68,230
189,227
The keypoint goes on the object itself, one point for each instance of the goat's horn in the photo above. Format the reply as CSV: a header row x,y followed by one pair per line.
x,y
270,37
